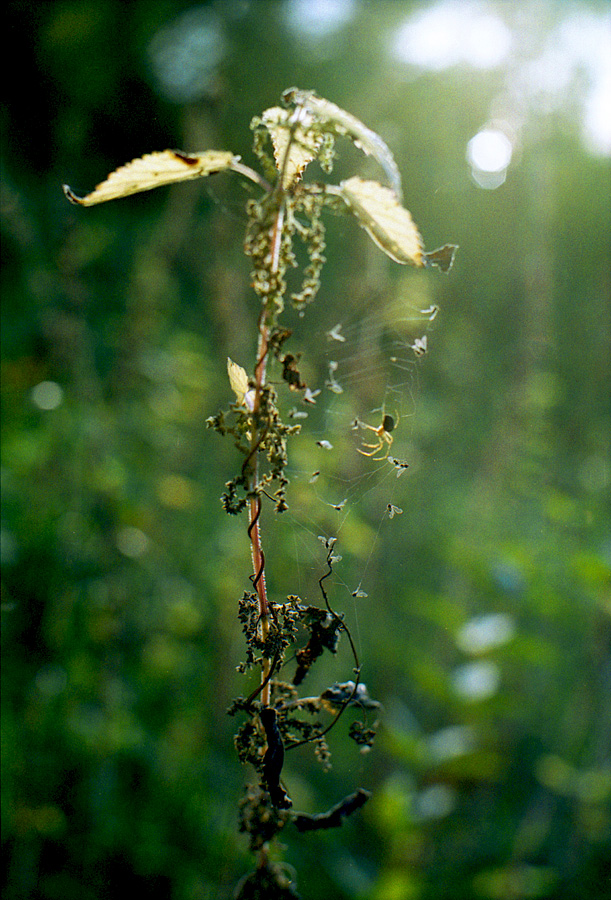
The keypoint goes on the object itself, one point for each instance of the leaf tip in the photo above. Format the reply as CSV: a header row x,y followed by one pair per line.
x,y
78,201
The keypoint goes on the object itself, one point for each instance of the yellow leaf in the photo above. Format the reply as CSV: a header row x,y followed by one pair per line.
x,y
388,224
294,146
154,170
238,379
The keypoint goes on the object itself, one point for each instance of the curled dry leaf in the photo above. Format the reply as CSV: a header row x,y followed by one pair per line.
x,y
294,146
154,170
388,223
346,124
442,257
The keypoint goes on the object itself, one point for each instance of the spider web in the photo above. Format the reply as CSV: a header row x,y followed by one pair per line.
x,y
359,370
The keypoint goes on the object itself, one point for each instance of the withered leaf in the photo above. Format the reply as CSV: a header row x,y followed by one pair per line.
x,y
238,379
442,257
154,170
388,223
294,145
346,124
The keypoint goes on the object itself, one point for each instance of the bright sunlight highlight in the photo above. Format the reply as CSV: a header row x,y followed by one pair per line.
x,y
449,33
489,154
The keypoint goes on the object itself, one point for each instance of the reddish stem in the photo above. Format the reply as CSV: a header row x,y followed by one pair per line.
x,y
254,532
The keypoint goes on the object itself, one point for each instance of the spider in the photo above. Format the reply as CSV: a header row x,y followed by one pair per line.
x,y
383,433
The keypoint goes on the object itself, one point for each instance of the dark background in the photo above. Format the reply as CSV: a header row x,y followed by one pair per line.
x,y
486,629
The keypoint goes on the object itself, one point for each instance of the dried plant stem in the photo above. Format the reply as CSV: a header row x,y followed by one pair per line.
x,y
254,530
258,561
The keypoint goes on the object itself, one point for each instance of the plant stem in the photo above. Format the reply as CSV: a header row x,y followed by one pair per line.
x,y
254,530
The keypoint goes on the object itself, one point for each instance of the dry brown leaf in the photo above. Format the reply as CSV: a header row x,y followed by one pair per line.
x,y
442,257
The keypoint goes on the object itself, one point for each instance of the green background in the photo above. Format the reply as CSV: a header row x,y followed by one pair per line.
x,y
491,775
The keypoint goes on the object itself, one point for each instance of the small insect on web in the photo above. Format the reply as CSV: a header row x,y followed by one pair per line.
x,y
420,345
401,465
335,334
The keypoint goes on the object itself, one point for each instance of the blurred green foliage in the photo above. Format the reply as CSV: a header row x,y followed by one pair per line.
x,y
486,630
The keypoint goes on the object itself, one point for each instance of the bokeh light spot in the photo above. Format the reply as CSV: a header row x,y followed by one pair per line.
x,y
47,395
489,153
